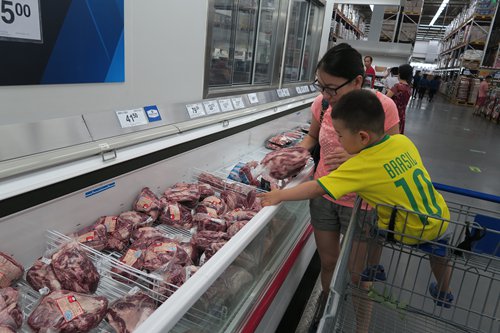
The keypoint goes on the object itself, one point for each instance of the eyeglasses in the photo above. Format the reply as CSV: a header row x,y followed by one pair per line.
x,y
330,91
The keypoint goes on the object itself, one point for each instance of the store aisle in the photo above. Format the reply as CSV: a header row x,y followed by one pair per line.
x,y
457,148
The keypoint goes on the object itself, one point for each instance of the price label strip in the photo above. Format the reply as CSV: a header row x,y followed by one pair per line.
x,y
238,102
299,90
286,92
305,89
226,105
280,93
211,107
253,98
312,88
20,19
195,110
131,118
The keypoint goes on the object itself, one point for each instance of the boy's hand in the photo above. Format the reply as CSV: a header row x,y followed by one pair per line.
x,y
335,159
270,198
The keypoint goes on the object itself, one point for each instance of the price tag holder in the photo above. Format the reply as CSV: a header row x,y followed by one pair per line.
x,y
312,88
280,93
20,20
299,90
238,102
195,110
131,118
286,92
305,89
253,98
226,105
211,107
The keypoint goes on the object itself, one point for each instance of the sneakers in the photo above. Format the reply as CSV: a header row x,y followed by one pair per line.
x,y
443,299
318,313
373,273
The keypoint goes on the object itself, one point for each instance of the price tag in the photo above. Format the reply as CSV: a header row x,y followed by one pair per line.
x,y
253,98
226,105
20,19
130,118
286,92
238,102
313,88
305,89
211,107
195,110
280,93
299,90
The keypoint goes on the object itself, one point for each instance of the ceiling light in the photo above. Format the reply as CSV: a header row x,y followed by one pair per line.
x,y
439,11
371,7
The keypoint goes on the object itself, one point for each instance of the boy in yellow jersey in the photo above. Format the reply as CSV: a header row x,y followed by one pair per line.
x,y
386,170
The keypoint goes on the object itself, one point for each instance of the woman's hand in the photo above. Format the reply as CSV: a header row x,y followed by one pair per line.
x,y
270,198
336,158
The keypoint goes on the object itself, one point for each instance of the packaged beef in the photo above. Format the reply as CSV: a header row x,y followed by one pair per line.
x,y
207,211
68,311
145,233
41,275
120,228
249,173
74,270
234,200
207,222
11,315
176,215
94,236
162,250
128,312
202,239
235,226
211,250
253,203
286,162
173,276
215,203
147,202
187,194
10,270
137,219
239,215
133,257
206,190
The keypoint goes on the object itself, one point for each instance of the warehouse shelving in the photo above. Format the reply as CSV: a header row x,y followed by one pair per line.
x,y
346,23
401,22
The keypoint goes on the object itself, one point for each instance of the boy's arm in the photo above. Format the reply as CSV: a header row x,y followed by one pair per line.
x,y
307,190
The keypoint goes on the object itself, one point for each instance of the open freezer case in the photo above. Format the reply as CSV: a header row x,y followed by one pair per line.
x,y
233,290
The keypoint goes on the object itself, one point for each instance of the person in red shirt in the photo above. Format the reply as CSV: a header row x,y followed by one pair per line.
x,y
484,86
369,71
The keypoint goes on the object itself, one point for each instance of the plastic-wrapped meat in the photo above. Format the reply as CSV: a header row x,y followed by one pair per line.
x,y
235,227
68,312
10,270
272,146
176,215
163,250
146,233
173,276
74,270
94,236
190,250
214,181
207,222
253,202
147,202
210,251
187,194
206,190
11,315
215,203
286,162
41,275
206,211
133,257
239,215
202,239
118,229
268,183
280,140
137,219
234,199
248,174
128,312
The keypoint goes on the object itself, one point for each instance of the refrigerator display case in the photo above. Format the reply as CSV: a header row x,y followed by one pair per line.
x,y
244,287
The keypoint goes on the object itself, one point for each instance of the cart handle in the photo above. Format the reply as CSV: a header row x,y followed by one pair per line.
x,y
468,193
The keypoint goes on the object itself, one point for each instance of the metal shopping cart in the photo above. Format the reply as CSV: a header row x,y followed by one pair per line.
x,y
397,299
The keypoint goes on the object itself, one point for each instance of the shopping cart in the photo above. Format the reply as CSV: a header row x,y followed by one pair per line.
x,y
398,299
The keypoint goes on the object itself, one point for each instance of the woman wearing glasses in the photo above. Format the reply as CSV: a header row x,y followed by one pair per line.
x,y
338,72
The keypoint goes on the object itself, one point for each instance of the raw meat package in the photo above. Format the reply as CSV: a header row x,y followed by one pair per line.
x,y
286,162
10,270
145,233
173,276
41,275
249,173
11,316
239,215
207,222
163,250
74,270
127,313
234,200
147,202
215,203
202,239
133,257
137,219
187,194
67,311
206,190
176,215
94,236
210,251
235,226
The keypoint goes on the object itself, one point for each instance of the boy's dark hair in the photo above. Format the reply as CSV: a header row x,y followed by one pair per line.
x,y
489,77
360,110
394,71
342,61
406,72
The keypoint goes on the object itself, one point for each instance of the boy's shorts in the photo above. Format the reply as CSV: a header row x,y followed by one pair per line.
x,y
480,101
329,216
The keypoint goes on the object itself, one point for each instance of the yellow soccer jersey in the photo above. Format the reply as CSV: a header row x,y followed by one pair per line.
x,y
391,172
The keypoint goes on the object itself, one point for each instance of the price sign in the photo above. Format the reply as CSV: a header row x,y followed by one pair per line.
x,y
299,90
286,92
238,102
313,88
226,105
280,93
20,19
253,98
211,107
195,110
130,118
305,89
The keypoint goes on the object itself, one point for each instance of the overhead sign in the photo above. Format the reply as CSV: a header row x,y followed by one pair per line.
x,y
20,20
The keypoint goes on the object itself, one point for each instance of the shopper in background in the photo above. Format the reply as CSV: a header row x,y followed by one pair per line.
x,y
392,78
434,86
484,86
338,72
401,92
369,71
416,81
422,86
